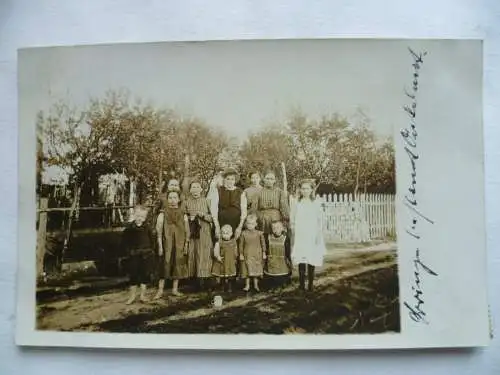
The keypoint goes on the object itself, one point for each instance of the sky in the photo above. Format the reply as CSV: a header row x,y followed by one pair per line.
x,y
238,86
242,85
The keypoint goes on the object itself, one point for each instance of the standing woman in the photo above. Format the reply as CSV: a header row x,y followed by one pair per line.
x,y
272,204
229,205
159,206
172,230
252,192
171,185
200,224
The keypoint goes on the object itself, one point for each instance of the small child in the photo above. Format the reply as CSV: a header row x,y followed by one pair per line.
x,y
138,241
252,253
278,254
225,254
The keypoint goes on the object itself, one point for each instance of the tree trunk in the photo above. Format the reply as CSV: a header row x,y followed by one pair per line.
x,y
185,179
358,172
76,197
131,197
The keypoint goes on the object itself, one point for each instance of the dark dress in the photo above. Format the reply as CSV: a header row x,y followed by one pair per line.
x,y
138,243
228,253
175,233
253,248
229,207
278,255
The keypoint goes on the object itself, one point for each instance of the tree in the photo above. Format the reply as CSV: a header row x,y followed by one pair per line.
x,y
309,148
318,146
266,150
330,150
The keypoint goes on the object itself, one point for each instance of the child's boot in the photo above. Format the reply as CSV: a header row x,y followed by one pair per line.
x,y
302,276
310,277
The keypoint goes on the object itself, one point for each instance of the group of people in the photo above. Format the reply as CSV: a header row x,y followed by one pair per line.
x,y
227,234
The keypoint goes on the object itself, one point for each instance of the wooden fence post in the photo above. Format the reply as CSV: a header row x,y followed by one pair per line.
x,y
41,237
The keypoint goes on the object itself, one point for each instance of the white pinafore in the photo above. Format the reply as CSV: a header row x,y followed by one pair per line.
x,y
308,242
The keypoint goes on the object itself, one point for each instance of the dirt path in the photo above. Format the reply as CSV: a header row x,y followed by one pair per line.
x,y
353,284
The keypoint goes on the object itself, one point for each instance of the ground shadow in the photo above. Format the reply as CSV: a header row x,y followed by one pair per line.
x,y
366,303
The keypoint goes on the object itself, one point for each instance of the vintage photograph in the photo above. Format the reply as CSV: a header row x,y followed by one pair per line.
x,y
217,187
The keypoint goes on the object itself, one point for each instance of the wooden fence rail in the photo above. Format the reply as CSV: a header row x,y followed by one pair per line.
x,y
347,219
357,219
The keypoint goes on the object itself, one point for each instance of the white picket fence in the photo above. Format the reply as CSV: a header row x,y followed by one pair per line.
x,y
348,220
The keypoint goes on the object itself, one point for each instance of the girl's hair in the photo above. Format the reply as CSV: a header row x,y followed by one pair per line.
x,y
226,227
195,181
230,172
165,187
269,171
276,222
254,172
311,183
174,191
139,209
251,217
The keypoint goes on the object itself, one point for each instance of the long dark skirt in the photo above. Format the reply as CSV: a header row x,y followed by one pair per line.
x,y
230,216
139,268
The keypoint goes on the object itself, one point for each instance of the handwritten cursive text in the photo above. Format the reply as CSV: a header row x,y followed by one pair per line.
x,y
409,135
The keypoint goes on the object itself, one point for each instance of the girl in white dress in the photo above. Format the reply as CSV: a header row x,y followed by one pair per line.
x,y
308,245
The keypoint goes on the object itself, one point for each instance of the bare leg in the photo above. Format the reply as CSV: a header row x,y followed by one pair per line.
x,y
161,287
133,294
247,284
175,288
143,297
256,284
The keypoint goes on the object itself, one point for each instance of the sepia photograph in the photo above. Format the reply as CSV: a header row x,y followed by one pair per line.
x,y
274,189
235,193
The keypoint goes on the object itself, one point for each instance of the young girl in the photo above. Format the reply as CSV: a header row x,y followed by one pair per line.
x,y
138,241
278,254
252,253
172,230
225,253
308,248
271,204
171,185
200,224
252,192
